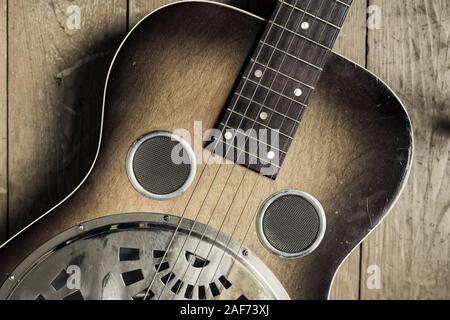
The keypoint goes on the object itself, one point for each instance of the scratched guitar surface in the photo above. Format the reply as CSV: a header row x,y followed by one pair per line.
x,y
49,122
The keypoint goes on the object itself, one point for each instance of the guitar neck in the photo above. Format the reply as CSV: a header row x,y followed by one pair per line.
x,y
305,30
280,78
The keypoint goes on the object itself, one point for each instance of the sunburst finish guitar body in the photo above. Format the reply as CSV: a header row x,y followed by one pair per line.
x,y
349,156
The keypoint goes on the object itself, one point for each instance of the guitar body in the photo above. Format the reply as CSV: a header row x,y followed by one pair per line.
x,y
352,152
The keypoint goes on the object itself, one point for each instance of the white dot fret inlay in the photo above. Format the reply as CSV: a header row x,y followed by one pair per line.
x,y
305,25
298,92
263,115
258,73
228,136
271,155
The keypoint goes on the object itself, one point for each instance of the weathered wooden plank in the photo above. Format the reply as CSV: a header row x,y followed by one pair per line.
x,y
411,248
3,120
351,44
59,54
138,9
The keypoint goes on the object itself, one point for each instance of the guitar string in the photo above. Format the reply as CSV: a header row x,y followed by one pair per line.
x,y
230,175
244,176
252,221
212,183
325,57
180,283
283,120
240,184
182,217
256,180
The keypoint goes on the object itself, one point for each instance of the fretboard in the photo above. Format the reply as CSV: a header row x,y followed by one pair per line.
x,y
266,109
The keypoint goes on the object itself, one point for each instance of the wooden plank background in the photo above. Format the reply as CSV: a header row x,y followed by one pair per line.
x,y
51,81
411,52
3,121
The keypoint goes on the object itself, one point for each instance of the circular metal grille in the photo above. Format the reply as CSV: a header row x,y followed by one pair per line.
x,y
161,165
117,258
154,168
292,224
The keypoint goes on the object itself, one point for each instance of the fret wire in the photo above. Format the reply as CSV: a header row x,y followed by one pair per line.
x,y
236,192
287,136
279,9
301,36
342,19
268,31
253,138
283,147
246,233
268,108
303,46
284,75
291,55
288,54
276,92
246,79
257,122
277,72
338,1
345,4
178,226
311,15
324,59
247,153
295,126
325,56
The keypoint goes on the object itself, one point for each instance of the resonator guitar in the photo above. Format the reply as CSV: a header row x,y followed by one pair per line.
x,y
238,159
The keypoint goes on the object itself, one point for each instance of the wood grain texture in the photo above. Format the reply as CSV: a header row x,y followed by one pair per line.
x,y
416,266
143,98
351,43
138,9
411,247
3,120
56,78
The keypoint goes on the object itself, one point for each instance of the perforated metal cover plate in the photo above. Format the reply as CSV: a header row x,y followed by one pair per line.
x,y
118,257
291,224
161,165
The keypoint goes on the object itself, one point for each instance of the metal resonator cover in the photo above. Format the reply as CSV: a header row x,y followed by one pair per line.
x,y
117,258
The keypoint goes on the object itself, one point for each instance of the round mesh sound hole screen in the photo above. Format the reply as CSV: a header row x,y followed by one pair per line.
x,y
154,169
291,224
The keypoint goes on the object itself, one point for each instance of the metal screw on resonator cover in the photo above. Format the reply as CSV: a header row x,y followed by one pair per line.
x,y
120,256
291,224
